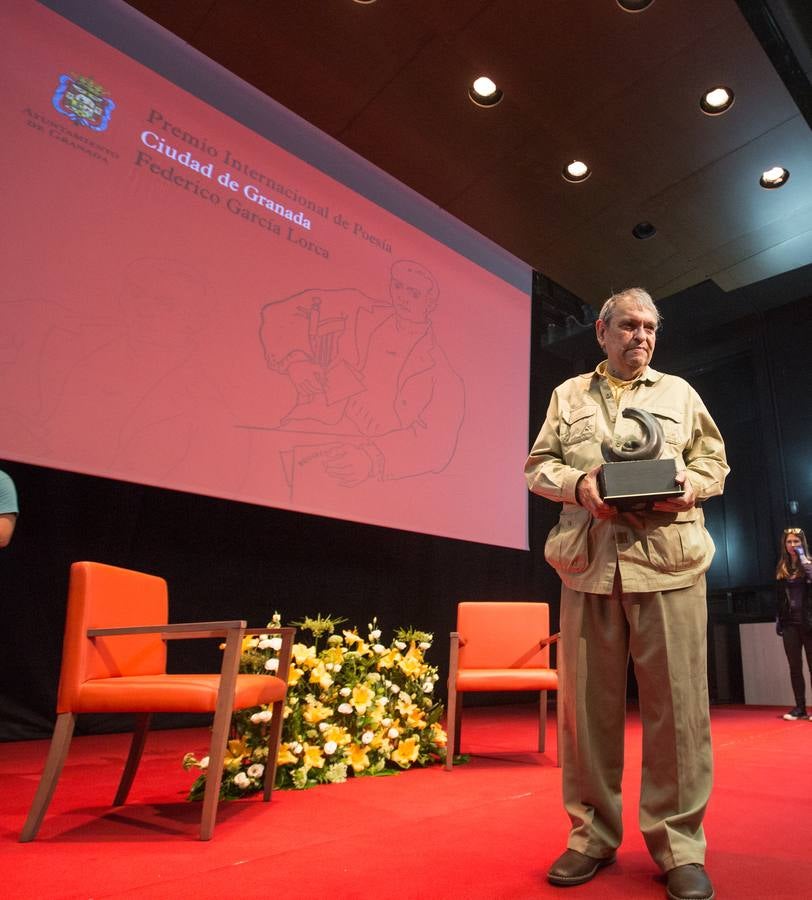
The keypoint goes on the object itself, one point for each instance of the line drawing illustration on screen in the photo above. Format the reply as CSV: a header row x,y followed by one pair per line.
x,y
376,396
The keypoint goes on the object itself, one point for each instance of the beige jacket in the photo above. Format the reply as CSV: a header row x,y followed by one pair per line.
x,y
654,550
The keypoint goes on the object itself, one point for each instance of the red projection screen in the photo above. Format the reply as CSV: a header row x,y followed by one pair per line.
x,y
202,292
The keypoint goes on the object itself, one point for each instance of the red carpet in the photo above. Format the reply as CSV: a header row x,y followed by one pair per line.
x,y
486,831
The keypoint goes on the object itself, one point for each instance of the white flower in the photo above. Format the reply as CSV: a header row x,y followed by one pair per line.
x,y
345,708
337,773
330,667
366,738
424,645
394,688
387,683
296,747
336,667
375,634
276,644
379,648
374,676
256,770
386,722
401,645
323,726
272,665
330,748
381,701
405,696
345,691
204,763
428,687
392,733
264,716
242,780
264,644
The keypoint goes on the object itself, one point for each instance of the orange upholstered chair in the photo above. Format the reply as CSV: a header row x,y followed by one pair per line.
x,y
499,646
114,660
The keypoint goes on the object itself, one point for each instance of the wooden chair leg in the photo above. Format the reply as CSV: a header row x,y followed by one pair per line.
x,y
219,732
57,754
458,723
542,721
452,713
274,737
451,746
142,722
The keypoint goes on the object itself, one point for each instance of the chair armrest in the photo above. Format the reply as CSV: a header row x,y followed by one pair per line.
x,y
457,638
177,630
552,639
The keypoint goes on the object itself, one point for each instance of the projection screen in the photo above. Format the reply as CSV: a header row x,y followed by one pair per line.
x,y
204,293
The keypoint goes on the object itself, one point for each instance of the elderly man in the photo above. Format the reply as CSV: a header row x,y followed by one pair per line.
x,y
633,585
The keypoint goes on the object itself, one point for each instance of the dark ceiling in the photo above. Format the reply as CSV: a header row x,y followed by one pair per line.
x,y
581,79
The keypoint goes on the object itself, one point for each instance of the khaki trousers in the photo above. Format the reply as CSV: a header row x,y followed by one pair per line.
x,y
665,634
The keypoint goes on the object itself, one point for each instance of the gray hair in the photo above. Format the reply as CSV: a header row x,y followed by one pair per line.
x,y
637,295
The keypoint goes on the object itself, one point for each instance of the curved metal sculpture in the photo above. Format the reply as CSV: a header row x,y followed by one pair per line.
x,y
649,448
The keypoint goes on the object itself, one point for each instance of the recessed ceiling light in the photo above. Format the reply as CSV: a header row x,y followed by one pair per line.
x,y
716,101
576,171
643,231
634,6
364,1
484,92
775,177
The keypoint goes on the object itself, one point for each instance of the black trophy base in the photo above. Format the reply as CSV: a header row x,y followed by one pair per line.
x,y
637,483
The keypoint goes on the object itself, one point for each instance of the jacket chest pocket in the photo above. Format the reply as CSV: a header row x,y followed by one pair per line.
x,y
672,423
578,425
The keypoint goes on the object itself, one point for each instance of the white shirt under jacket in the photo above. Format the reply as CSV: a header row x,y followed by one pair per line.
x,y
655,551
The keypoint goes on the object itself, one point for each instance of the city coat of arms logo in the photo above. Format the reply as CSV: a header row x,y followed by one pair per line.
x,y
82,100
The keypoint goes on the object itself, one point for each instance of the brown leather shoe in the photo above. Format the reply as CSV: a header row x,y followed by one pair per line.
x,y
689,882
573,868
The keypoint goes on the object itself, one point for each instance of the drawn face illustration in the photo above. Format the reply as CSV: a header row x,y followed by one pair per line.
x,y
413,293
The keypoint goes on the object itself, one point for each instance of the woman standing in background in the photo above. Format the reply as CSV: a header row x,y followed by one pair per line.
x,y
794,617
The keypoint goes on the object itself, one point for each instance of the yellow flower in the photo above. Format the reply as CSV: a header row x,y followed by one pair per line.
x,y
294,675
316,713
320,676
352,638
405,753
412,663
312,757
338,734
235,751
358,757
438,735
414,716
333,655
286,756
388,659
304,655
362,696
377,713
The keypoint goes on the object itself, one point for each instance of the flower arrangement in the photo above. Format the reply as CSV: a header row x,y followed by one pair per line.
x,y
354,707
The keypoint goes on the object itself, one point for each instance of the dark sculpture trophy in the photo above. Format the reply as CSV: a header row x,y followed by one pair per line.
x,y
634,476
